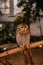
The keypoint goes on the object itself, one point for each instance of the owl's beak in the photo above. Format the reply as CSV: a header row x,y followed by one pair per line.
x,y
23,29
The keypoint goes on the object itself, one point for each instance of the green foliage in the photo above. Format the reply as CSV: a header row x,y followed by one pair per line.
x,y
20,3
7,34
8,31
40,4
31,12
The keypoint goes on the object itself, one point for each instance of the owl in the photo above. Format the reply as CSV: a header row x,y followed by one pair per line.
x,y
22,35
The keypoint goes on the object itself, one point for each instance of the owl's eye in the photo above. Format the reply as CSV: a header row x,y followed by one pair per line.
x,y
21,27
25,26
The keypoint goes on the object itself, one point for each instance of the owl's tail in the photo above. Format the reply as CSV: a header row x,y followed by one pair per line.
x,y
28,57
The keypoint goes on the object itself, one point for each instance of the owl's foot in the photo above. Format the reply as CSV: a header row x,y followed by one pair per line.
x,y
27,64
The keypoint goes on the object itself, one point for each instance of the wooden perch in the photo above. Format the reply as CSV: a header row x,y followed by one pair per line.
x,y
16,50
36,44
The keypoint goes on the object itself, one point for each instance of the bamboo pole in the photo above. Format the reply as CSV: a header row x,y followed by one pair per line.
x,y
16,50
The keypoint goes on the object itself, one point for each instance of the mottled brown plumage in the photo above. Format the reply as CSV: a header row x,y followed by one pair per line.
x,y
22,35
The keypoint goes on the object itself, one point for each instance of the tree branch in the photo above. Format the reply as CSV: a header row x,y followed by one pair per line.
x,y
16,50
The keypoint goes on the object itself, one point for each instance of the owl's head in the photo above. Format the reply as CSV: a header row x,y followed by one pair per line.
x,y
23,28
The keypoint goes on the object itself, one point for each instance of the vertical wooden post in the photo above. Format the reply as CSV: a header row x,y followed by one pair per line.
x,y
11,7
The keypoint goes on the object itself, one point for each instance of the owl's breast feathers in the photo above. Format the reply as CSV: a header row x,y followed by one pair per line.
x,y
22,40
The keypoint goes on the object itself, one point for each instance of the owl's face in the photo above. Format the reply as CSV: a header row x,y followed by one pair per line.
x,y
23,28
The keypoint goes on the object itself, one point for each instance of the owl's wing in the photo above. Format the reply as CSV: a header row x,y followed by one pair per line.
x,y
27,42
19,40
